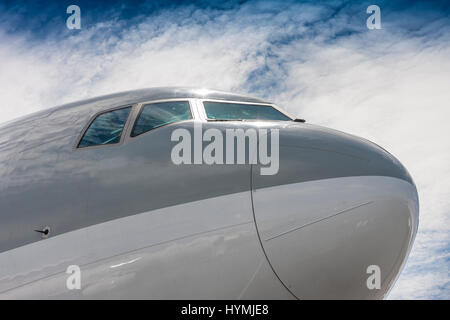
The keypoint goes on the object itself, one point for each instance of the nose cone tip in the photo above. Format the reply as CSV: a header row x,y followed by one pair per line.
x,y
399,204
394,168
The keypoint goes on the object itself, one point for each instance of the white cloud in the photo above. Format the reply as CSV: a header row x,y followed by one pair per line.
x,y
386,85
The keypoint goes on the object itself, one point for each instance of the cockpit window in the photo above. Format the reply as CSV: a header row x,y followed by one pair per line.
x,y
235,111
105,129
158,114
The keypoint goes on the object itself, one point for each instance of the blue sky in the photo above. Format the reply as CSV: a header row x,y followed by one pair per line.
x,y
316,59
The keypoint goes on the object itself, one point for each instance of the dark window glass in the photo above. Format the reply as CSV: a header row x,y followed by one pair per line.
x,y
236,111
155,115
106,128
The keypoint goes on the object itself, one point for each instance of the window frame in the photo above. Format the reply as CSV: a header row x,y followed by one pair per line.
x,y
140,108
92,119
197,109
205,116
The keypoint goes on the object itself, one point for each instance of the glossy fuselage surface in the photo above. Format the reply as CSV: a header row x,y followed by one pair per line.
x,y
140,226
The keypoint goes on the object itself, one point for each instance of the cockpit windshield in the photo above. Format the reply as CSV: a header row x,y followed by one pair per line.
x,y
225,111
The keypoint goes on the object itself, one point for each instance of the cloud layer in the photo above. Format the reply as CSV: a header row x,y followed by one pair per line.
x,y
319,61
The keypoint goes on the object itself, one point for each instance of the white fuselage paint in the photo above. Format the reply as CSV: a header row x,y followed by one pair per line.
x,y
321,236
193,250
211,248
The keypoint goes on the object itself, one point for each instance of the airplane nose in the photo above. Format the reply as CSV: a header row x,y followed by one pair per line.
x,y
338,219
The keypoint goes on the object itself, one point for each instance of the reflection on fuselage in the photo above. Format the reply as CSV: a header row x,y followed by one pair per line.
x,y
140,226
